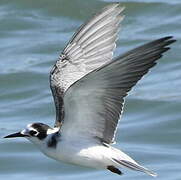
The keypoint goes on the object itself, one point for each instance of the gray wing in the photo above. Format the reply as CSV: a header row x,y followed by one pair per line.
x,y
93,104
91,47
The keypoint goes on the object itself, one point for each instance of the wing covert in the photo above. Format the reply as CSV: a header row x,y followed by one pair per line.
x,y
93,104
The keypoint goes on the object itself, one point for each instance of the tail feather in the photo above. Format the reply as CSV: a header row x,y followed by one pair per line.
x,y
135,166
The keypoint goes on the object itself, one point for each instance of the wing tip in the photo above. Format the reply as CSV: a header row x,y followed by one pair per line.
x,y
114,5
149,172
136,167
168,39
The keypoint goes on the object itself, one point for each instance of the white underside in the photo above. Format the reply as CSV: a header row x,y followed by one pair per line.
x,y
86,153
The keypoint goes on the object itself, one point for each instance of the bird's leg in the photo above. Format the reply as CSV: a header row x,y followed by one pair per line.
x,y
114,170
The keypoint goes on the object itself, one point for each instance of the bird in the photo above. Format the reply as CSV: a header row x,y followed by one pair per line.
x,y
89,87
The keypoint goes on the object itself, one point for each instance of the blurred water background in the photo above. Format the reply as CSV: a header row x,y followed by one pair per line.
x,y
33,33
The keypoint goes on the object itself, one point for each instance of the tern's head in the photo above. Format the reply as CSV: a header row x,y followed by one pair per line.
x,y
35,132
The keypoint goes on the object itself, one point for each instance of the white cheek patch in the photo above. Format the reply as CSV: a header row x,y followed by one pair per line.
x,y
25,132
28,129
29,126
36,133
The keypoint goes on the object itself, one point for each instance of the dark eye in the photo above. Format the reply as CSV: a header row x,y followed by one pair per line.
x,y
32,132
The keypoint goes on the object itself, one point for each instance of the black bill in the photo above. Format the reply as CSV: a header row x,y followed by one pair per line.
x,y
16,135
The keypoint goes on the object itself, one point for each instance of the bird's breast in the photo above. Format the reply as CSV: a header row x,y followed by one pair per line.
x,y
79,153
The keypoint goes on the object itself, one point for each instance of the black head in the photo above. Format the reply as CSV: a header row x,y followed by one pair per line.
x,y
38,130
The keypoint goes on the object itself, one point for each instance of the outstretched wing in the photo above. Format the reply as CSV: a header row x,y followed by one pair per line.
x,y
91,47
93,104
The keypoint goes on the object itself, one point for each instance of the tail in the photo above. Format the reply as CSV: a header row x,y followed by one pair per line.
x,y
120,159
134,166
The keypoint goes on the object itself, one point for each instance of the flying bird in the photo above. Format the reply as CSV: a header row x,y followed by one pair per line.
x,y
89,88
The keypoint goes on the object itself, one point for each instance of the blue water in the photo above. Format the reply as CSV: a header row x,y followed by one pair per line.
x,y
33,33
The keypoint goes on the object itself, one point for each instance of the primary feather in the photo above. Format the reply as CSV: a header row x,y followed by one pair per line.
x,y
94,103
91,47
